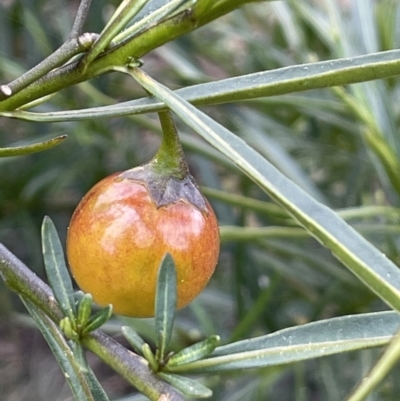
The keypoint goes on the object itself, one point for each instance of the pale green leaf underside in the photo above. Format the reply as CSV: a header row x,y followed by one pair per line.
x,y
361,257
72,370
188,387
56,269
166,299
266,83
312,340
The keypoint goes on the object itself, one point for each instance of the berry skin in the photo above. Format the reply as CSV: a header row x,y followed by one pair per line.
x,y
118,236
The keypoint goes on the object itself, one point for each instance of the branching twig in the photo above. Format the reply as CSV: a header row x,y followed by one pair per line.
x,y
64,53
129,365
81,15
75,44
17,277
126,10
118,55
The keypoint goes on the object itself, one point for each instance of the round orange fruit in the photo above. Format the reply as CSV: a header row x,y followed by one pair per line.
x,y
119,234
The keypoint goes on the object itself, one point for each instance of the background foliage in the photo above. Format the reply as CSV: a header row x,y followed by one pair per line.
x,y
339,144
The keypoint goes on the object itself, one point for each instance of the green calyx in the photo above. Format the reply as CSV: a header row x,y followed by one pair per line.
x,y
167,176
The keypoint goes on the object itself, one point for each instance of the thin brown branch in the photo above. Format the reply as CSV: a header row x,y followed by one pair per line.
x,y
80,18
19,278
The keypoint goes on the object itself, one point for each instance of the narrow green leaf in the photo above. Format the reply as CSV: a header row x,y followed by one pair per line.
x,y
235,233
254,313
271,149
133,338
260,84
148,354
165,304
84,310
369,264
69,329
381,369
29,149
122,15
78,296
189,387
153,17
266,208
98,319
56,269
37,33
97,390
195,352
312,340
72,370
272,209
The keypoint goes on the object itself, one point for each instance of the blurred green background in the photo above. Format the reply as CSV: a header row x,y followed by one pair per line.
x,y
321,139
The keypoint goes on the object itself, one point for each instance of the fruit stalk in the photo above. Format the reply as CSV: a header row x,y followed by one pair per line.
x,y
170,159
128,222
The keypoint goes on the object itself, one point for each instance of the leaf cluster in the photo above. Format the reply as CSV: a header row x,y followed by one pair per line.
x,y
299,154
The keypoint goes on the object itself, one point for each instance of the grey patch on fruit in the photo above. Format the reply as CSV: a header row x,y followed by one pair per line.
x,y
166,190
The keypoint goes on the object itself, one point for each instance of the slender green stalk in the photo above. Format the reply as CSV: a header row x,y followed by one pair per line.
x,y
124,13
380,370
150,39
29,149
120,359
169,159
